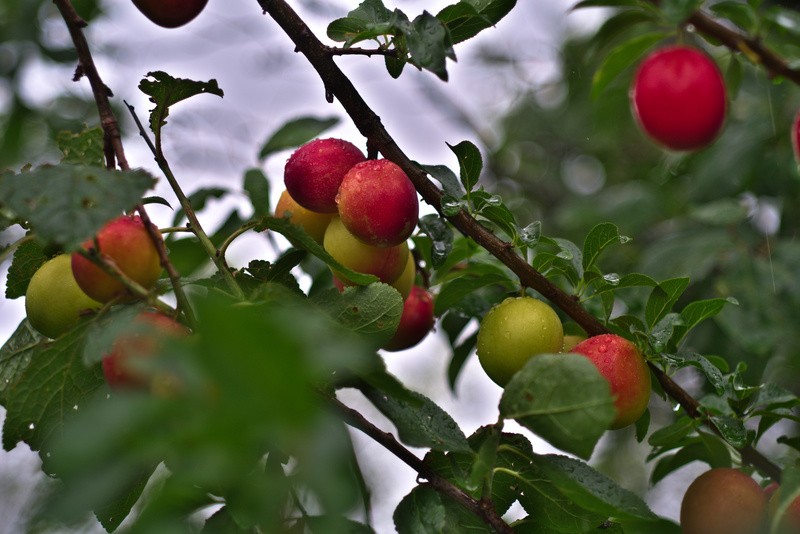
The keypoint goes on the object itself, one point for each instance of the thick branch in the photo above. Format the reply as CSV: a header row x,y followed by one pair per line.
x,y
482,509
370,126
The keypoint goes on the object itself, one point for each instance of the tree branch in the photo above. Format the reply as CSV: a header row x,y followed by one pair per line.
x,y
482,509
370,126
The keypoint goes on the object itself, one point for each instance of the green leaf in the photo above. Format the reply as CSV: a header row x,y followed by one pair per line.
x,y
599,238
673,433
677,11
470,163
530,234
373,310
619,59
320,524
256,186
696,312
84,148
295,133
44,394
113,513
563,399
66,204
453,292
369,20
592,490
441,237
420,512
605,3
732,430
420,422
722,212
663,298
299,236
450,184
15,355
28,257
429,44
468,18
165,91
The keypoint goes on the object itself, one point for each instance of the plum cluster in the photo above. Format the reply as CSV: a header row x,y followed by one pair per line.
x,y
362,211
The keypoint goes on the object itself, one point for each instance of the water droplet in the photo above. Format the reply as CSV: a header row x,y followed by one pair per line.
x,y
624,239
565,255
75,407
31,426
612,278
494,200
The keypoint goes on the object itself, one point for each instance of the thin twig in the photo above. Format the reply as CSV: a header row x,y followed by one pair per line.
x,y
482,509
334,51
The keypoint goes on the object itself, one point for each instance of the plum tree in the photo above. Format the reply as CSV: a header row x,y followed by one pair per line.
x,y
312,222
54,302
678,98
120,367
126,242
170,13
515,330
385,263
314,172
723,501
622,365
378,203
415,322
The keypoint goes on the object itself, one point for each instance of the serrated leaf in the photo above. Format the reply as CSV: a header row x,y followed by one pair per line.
x,y
420,422
16,353
663,298
441,236
619,59
597,240
256,186
429,44
44,394
470,163
297,235
370,20
468,18
65,204
563,399
420,512
28,257
84,148
165,91
592,490
295,133
373,310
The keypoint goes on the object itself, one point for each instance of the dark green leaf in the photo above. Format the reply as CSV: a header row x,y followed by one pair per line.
x,y
450,184
663,297
295,133
420,512
563,399
453,292
677,11
28,257
460,354
373,310
441,238
16,354
421,422
599,238
165,91
732,430
84,148
619,59
605,3
696,312
66,204
592,490
256,186
429,44
470,163
468,18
